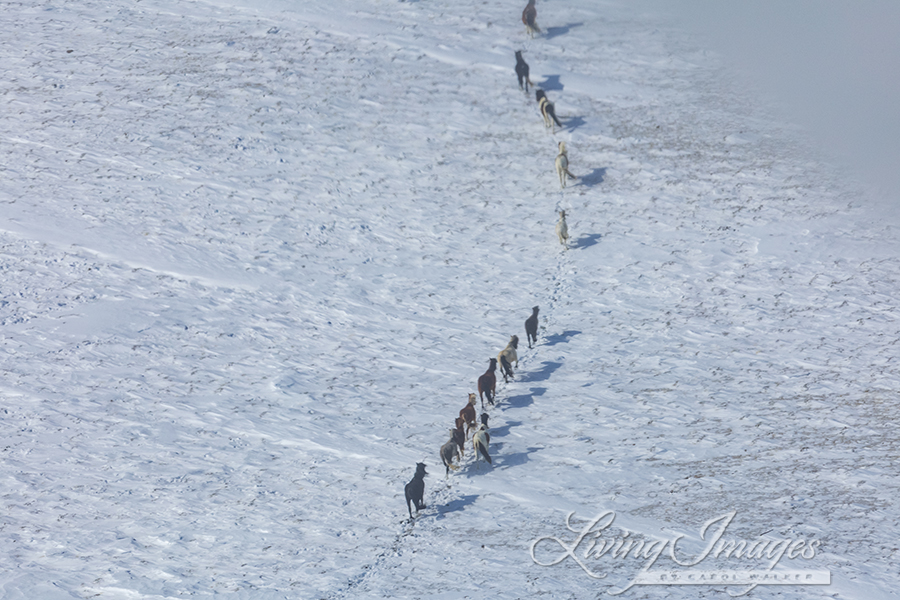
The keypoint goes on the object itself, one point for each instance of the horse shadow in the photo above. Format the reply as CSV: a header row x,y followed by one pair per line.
x,y
553,32
550,83
523,400
561,338
573,123
474,468
586,241
593,178
503,431
544,373
516,459
456,505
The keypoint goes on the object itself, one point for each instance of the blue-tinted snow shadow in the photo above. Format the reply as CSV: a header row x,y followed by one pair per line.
x,y
543,374
573,123
481,466
456,505
560,338
523,400
593,178
553,32
516,459
503,431
585,241
550,83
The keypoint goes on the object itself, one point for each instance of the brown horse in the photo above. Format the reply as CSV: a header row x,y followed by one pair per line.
x,y
529,16
468,414
487,383
459,435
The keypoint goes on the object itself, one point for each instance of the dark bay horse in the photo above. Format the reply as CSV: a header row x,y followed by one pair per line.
x,y
487,383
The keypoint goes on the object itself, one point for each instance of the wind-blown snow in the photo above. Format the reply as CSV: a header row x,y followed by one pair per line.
x,y
254,260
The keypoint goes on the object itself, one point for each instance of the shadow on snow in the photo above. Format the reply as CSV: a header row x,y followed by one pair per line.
x,y
516,459
593,178
551,83
503,431
559,338
585,241
456,505
523,400
544,373
553,32
573,123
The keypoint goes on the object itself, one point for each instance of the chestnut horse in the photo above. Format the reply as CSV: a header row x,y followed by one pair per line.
x,y
529,17
468,414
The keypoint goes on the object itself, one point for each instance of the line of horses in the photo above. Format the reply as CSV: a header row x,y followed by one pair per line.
x,y
467,421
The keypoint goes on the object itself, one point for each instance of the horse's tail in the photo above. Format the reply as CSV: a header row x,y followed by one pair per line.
x,y
505,366
408,500
484,452
552,112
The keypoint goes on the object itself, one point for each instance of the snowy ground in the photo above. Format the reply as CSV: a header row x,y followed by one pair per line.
x,y
253,261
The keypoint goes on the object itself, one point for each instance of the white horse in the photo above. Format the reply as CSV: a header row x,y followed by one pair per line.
x,y
562,230
508,356
481,441
562,166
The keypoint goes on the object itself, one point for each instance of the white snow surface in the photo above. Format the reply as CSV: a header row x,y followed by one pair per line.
x,y
254,258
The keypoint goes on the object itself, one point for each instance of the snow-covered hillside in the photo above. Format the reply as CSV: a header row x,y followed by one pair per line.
x,y
255,258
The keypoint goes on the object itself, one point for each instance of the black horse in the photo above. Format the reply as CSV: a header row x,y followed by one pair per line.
x,y
415,489
522,71
531,326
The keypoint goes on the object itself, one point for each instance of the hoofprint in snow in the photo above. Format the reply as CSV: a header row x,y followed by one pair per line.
x,y
255,259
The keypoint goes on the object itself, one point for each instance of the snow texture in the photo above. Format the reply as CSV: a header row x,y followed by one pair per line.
x,y
255,258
